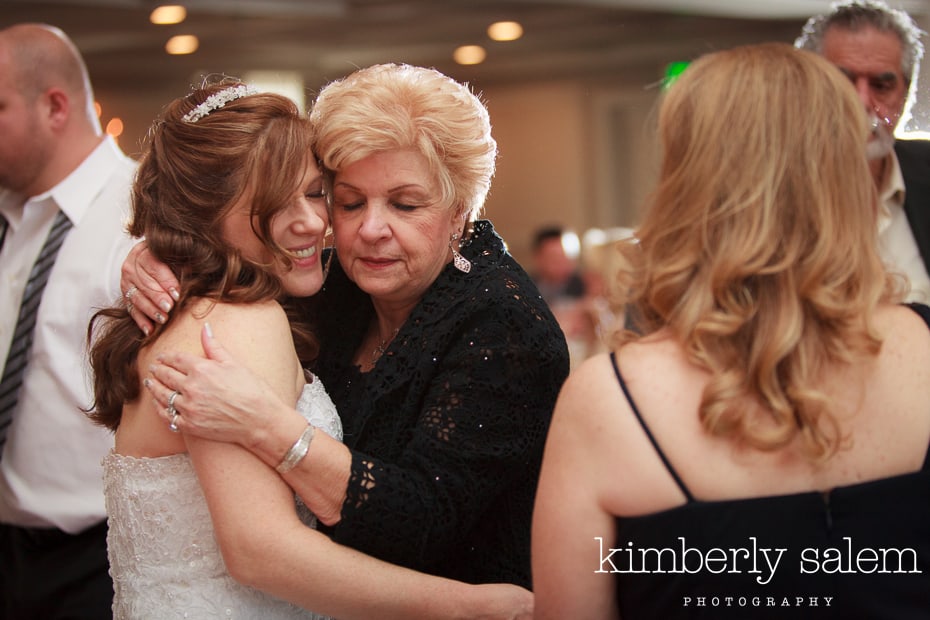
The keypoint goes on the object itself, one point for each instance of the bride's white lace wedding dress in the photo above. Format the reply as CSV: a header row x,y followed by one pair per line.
x,y
164,558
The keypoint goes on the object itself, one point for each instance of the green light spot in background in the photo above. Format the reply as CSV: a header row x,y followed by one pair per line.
x,y
672,71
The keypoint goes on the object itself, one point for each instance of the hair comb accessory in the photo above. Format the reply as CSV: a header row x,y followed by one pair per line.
x,y
217,101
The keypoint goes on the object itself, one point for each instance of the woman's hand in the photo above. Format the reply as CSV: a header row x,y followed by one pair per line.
x,y
218,398
149,287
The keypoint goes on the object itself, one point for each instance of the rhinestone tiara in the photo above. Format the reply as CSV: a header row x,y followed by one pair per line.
x,y
217,101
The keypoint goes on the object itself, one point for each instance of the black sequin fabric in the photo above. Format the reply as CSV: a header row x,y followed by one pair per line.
x,y
447,430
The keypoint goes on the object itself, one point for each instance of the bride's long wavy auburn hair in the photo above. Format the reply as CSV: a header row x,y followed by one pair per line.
x,y
757,251
190,176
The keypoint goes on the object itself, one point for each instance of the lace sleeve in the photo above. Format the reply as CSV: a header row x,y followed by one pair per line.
x,y
471,451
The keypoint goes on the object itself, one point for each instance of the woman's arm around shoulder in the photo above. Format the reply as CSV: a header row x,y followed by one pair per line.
x,y
266,546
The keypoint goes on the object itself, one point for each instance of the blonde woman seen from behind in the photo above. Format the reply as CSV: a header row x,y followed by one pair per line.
x,y
774,397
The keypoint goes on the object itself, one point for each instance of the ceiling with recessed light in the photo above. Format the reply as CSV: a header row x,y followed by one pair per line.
x,y
623,43
324,39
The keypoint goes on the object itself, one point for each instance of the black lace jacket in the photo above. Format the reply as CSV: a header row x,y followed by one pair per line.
x,y
447,430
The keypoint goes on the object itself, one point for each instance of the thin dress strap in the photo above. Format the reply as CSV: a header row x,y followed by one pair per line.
x,y
922,310
924,313
642,422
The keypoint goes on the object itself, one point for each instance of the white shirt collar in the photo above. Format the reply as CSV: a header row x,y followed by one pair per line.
x,y
891,195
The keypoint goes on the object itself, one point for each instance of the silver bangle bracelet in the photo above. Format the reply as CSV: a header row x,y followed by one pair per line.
x,y
297,452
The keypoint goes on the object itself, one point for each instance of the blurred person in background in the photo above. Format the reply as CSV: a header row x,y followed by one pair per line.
x,y
555,268
879,49
564,286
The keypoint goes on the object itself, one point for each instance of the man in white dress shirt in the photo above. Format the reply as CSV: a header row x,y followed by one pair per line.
x,y
54,158
879,49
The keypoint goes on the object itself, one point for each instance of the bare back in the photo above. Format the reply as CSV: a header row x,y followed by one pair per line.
x,y
600,464
880,403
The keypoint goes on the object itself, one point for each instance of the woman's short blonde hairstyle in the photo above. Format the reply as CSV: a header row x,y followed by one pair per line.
x,y
758,249
394,106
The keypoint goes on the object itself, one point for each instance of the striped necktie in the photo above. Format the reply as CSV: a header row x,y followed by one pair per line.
x,y
16,360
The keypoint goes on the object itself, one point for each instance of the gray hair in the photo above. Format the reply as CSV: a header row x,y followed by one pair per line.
x,y
858,14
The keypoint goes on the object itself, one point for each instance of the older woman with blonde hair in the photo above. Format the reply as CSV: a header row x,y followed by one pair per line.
x,y
767,423
443,360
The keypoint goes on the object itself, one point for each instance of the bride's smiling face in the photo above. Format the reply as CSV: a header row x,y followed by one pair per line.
x,y
298,229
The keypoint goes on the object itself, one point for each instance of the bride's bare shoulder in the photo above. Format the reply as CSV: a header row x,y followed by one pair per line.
x,y
253,326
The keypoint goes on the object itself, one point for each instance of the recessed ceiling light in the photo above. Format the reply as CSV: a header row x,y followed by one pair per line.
x,y
168,14
182,44
505,31
469,55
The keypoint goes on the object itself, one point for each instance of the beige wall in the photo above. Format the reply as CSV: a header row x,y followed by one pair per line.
x,y
541,171
571,153
920,113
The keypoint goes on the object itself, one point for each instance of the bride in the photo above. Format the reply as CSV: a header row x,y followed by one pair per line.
x,y
229,195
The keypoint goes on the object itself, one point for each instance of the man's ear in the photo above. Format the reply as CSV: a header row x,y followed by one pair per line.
x,y
57,107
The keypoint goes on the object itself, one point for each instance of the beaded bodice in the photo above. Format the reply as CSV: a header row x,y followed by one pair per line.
x,y
164,558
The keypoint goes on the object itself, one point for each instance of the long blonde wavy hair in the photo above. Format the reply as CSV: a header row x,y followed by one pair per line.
x,y
758,248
